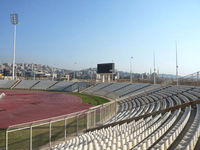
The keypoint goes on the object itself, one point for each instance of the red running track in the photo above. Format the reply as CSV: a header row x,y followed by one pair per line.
x,y
25,106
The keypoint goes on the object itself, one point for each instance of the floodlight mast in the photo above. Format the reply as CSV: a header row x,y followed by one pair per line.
x,y
131,78
154,65
176,65
14,21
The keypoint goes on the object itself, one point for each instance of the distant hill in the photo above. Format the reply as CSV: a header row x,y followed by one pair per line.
x,y
171,76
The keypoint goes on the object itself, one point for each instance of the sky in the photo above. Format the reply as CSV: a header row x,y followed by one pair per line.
x,y
78,34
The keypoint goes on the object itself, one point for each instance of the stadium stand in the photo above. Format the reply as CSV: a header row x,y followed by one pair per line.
x,y
116,90
97,87
61,86
76,87
110,89
174,129
6,84
157,132
44,84
26,84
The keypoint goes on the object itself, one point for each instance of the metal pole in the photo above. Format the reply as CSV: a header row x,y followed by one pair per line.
x,y
34,75
95,118
31,138
100,115
105,114
65,129
77,124
115,110
131,70
52,74
6,139
87,120
112,71
197,78
13,69
176,66
110,110
154,63
49,134
74,71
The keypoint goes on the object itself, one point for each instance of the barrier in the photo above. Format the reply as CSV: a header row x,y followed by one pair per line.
x,y
48,132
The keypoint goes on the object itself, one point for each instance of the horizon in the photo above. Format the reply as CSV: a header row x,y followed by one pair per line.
x,y
76,35
128,72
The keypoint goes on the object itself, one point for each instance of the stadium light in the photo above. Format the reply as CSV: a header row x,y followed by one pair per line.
x,y
176,65
14,21
74,71
131,78
154,65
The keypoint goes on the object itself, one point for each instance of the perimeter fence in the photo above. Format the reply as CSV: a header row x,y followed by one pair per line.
x,y
47,132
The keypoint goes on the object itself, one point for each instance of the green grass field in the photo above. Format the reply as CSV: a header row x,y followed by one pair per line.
x,y
90,99
20,140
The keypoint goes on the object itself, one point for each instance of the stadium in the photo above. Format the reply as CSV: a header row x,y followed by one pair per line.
x,y
138,116
99,75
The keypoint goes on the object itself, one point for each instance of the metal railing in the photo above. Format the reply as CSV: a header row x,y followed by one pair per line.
x,y
191,79
48,132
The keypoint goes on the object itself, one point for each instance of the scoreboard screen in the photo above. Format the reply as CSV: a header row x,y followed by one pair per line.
x,y
105,68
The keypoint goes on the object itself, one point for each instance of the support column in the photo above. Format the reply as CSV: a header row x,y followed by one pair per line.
x,y
115,110
49,134
103,77
108,77
87,120
6,139
31,138
77,124
65,129
100,115
94,118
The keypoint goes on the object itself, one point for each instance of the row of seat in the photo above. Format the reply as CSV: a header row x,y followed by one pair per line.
x,y
125,136
118,89
44,85
110,89
190,139
170,137
112,137
150,103
6,84
160,130
155,132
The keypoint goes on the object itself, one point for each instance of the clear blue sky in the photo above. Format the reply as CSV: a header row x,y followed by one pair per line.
x,y
61,32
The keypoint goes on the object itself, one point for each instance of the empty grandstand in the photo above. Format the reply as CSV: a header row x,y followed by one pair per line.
x,y
139,117
26,84
5,84
44,85
163,130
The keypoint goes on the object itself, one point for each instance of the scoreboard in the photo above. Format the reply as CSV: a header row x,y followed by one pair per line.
x,y
105,68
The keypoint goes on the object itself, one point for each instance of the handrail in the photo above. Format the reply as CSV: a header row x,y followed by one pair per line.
x,y
144,116
57,118
53,119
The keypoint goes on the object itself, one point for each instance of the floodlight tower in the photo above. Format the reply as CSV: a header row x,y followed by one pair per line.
x,y
131,78
154,65
74,71
176,65
14,21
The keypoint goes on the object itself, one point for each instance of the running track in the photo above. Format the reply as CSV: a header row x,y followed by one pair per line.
x,y
25,106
